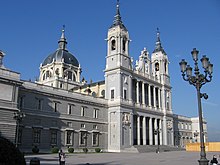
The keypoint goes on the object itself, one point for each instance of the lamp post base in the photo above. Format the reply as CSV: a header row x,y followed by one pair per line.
x,y
203,162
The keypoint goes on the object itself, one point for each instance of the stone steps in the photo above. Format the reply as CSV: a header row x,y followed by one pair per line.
x,y
153,148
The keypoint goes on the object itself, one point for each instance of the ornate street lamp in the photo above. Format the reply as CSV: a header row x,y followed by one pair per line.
x,y
198,80
179,139
196,134
18,116
157,132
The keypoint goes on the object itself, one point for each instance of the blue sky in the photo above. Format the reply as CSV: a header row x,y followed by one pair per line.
x,y
29,31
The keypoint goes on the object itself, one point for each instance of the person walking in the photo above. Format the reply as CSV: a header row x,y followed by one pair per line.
x,y
62,158
59,154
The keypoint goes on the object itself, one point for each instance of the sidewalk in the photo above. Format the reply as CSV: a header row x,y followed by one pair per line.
x,y
164,158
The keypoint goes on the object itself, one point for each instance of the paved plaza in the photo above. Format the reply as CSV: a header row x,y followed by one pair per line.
x,y
164,158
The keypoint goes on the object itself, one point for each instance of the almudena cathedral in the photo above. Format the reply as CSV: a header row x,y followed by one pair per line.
x,y
130,108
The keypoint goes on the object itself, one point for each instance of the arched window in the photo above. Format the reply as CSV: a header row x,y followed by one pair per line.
x,y
44,76
69,75
113,45
48,74
124,44
74,78
157,66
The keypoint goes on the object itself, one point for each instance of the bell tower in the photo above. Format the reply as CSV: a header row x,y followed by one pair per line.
x,y
160,62
118,85
160,71
118,61
118,44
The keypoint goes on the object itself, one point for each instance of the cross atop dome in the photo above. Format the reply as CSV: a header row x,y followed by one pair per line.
x,y
62,42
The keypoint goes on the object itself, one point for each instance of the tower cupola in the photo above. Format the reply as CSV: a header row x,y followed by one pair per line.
x,y
60,69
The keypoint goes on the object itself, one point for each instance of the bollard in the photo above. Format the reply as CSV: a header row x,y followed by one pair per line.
x,y
35,161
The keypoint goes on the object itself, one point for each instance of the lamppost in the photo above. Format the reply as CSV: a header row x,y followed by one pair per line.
x,y
18,116
179,138
196,134
157,132
198,80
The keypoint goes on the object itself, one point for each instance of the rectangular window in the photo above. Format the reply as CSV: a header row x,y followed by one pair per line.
x,y
83,138
70,109
36,135
55,106
82,111
190,127
53,137
69,137
125,94
39,104
112,94
95,139
95,113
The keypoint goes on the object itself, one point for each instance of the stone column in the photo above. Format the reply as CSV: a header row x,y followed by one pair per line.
x,y
138,130
130,89
137,93
143,94
150,132
144,131
154,91
160,128
155,135
170,101
159,98
149,95
131,129
164,131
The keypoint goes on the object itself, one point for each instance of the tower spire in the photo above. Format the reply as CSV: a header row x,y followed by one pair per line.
x,y
117,21
158,46
62,42
118,16
158,35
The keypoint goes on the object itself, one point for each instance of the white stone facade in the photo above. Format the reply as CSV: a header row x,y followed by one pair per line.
x,y
186,130
62,110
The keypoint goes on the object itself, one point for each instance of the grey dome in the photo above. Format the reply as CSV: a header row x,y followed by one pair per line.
x,y
60,54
